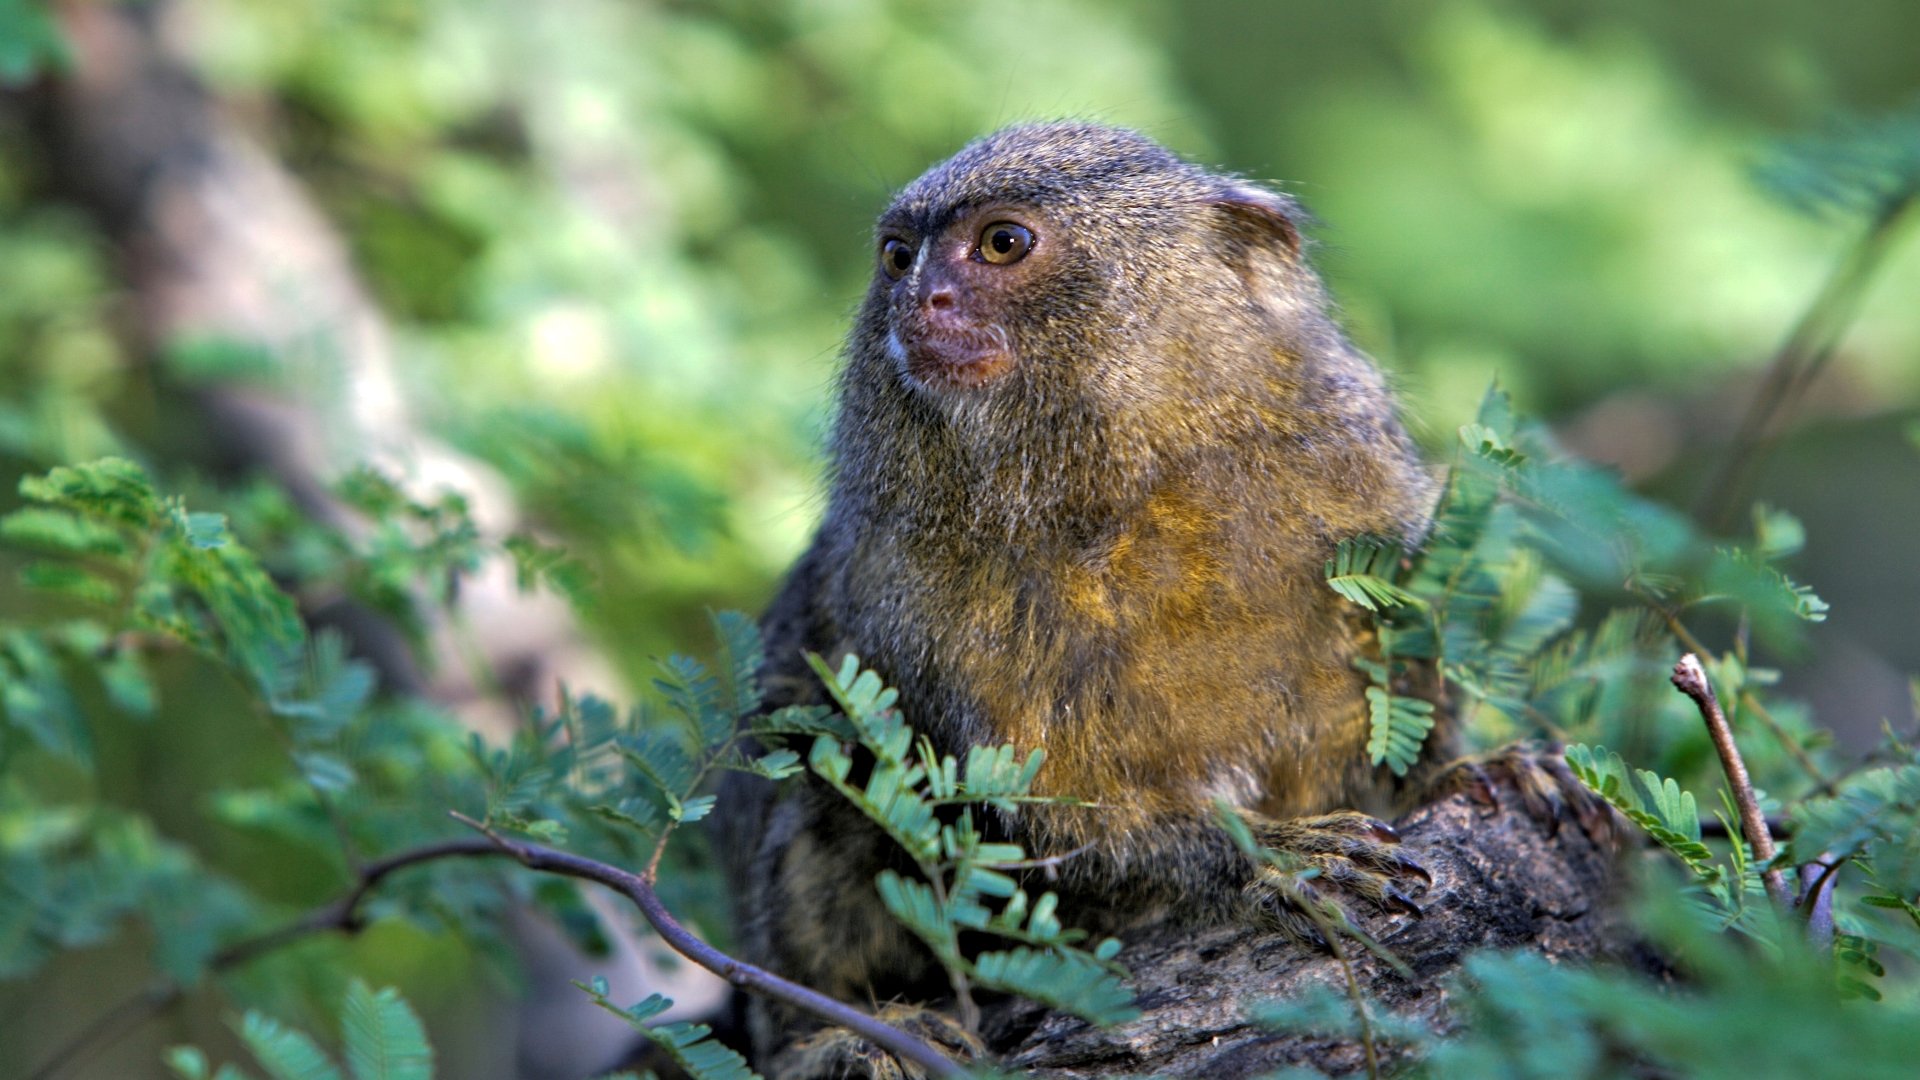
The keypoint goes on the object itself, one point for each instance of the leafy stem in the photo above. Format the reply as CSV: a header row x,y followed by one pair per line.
x,y
341,914
739,973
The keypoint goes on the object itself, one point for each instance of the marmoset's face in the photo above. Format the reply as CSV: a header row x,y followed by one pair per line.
x,y
951,290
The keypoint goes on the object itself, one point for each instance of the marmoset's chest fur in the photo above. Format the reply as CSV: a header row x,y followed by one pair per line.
x,y
1187,650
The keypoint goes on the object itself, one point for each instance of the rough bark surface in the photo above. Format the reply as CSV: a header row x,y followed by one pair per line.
x,y
1501,879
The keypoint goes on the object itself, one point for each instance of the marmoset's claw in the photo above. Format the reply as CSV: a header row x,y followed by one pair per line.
x,y
1358,863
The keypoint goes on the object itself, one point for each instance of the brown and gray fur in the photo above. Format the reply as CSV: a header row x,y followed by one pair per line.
x,y
1111,546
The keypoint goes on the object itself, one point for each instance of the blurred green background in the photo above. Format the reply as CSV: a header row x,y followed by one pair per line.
x,y
617,243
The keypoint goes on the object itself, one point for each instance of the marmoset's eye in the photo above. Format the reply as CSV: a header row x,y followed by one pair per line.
x,y
1004,242
896,257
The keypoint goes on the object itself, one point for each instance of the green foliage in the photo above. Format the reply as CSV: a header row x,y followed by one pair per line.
x,y
1670,816
145,561
691,1046
960,873
1398,725
383,1041
1872,823
1655,804
1859,166
1363,570
30,41
649,383
286,1053
1481,617
1738,1013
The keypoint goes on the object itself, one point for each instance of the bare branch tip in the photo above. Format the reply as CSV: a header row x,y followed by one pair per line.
x,y
1690,678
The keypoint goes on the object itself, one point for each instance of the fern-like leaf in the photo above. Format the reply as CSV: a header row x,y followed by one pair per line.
x,y
1363,570
691,1046
741,654
286,1053
384,1039
1068,981
1399,727
1659,806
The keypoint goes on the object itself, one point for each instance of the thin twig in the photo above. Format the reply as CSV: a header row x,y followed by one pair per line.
x,y
743,975
108,1029
1691,679
342,914
1332,938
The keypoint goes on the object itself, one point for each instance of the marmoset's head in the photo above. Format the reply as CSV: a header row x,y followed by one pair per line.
x,y
1051,243
1061,312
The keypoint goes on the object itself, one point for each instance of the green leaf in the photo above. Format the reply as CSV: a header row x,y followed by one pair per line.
x,y
30,42
384,1039
72,582
1876,806
996,773
325,772
1659,806
62,532
661,758
1773,600
774,764
321,690
915,905
1777,534
741,655
1861,166
689,1045
124,676
536,563
691,810
867,702
697,696
1068,981
286,1053
806,720
1397,730
33,689
109,489
189,1062
1363,570
1490,444
633,813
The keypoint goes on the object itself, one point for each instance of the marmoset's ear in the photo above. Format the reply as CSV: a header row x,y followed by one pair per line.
x,y
1262,211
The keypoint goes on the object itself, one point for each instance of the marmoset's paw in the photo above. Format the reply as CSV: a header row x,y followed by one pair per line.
x,y
1358,862
839,1054
1537,775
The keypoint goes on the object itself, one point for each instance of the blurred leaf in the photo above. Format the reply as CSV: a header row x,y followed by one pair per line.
x,y
286,1053
384,1039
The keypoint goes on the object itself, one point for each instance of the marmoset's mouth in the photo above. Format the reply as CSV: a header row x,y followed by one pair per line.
x,y
951,357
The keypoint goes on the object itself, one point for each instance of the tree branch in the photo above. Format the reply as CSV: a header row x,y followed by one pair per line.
x,y
342,914
743,975
1691,679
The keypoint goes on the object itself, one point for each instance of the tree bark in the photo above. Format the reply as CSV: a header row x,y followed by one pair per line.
x,y
1501,879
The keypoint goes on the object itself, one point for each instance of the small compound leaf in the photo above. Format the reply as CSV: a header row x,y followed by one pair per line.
x,y
384,1039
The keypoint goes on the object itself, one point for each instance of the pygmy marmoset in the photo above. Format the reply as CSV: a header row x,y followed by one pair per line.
x,y
1097,436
